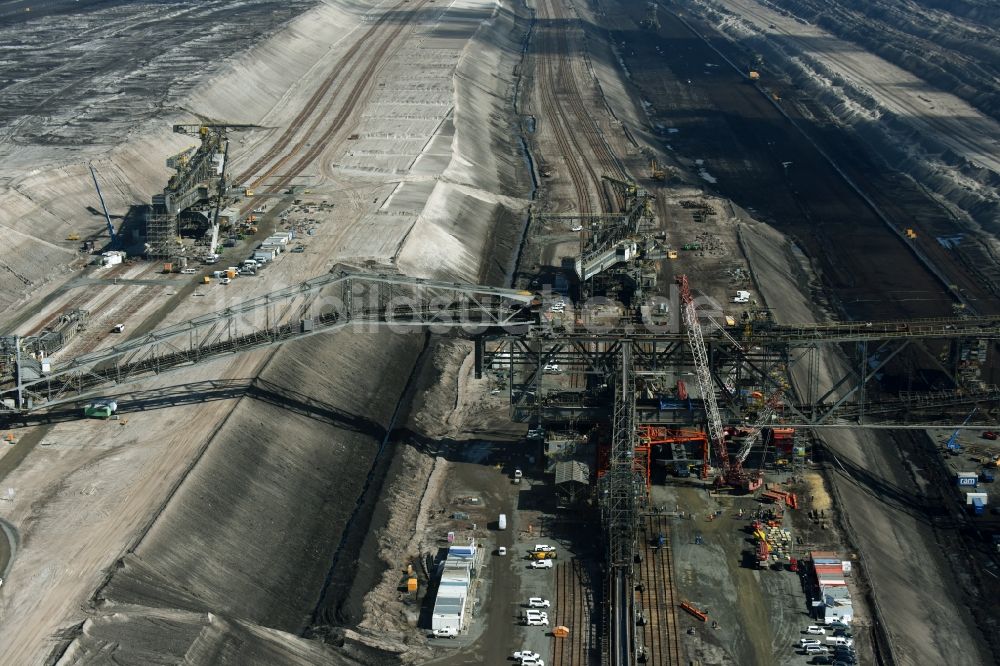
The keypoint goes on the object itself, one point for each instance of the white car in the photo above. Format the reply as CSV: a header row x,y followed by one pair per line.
x,y
816,649
541,564
532,662
225,280
551,369
526,654
576,227
536,621
445,632
813,629
538,602
806,642
543,548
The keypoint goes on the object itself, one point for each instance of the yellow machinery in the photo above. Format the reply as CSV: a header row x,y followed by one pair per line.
x,y
544,555
655,171
754,76
181,159
73,236
911,234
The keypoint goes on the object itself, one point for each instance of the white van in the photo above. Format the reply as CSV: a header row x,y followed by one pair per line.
x,y
839,640
502,522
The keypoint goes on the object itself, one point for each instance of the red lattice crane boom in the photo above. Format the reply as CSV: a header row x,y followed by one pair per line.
x,y
733,473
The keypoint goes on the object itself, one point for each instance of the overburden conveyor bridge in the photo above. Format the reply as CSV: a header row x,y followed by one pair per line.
x,y
514,337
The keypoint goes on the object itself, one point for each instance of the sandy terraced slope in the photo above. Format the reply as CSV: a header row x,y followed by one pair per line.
x,y
952,45
209,530
934,113
946,145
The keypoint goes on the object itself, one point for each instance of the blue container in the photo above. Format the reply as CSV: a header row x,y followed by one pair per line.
x,y
978,507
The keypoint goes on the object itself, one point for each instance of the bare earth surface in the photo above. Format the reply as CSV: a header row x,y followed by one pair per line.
x,y
285,502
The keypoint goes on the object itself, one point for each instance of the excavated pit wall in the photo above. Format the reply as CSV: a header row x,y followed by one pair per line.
x,y
103,84
251,532
969,191
248,539
469,226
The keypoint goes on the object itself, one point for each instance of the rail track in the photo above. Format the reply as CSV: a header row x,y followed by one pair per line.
x,y
356,58
585,119
657,599
580,141
554,50
574,604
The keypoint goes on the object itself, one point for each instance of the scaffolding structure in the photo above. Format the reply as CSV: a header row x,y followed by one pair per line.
x,y
161,234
